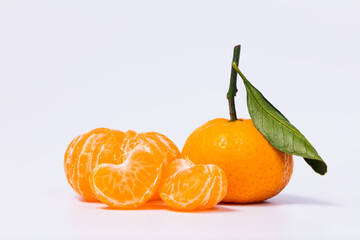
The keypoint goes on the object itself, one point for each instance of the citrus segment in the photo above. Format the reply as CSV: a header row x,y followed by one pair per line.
x,y
77,161
132,183
167,148
110,150
187,186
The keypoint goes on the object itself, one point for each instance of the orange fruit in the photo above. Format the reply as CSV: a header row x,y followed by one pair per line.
x,y
255,170
187,186
103,145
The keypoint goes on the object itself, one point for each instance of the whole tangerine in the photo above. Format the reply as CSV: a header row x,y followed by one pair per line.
x,y
255,170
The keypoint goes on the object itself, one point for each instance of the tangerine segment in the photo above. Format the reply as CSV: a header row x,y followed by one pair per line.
x,y
132,183
168,149
111,150
77,163
188,186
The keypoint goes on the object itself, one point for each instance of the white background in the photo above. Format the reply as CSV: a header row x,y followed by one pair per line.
x,y
67,67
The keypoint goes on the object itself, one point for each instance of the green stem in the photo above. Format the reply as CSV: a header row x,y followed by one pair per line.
x,y
235,67
232,88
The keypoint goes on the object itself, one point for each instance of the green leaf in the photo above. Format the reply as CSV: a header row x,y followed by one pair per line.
x,y
278,130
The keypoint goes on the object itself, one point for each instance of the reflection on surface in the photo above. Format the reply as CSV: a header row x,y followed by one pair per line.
x,y
280,200
160,205
286,199
283,199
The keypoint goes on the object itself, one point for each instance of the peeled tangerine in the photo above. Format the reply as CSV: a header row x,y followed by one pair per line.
x,y
126,166
187,186
126,169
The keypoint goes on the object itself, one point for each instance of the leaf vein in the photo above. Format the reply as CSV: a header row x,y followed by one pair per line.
x,y
264,109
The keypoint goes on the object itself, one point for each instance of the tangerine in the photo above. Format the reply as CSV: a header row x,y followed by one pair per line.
x,y
255,170
103,145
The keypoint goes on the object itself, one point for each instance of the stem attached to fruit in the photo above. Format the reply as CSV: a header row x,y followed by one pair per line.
x,y
232,89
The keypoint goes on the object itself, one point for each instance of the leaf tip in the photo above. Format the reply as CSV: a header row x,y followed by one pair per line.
x,y
319,166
